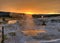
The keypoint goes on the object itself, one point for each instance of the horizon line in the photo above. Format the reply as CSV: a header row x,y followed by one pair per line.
x,y
31,14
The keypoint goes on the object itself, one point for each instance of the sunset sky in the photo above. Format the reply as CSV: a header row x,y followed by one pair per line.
x,y
30,6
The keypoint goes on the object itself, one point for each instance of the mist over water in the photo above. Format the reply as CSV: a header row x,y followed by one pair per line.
x,y
28,23
31,24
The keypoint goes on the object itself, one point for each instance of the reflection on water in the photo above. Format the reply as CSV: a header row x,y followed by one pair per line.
x,y
29,22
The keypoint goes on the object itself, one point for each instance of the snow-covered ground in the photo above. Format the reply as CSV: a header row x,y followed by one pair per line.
x,y
30,23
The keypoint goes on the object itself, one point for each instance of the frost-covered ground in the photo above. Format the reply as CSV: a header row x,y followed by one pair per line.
x,y
52,34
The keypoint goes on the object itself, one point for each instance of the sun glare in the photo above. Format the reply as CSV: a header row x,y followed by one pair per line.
x,y
28,12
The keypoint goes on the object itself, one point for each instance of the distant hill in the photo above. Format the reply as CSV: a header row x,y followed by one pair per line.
x,y
44,15
7,14
11,14
4,14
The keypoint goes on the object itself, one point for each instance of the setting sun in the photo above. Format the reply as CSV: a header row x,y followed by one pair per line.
x,y
28,12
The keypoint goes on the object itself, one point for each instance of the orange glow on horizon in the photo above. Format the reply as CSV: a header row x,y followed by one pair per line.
x,y
31,11
27,12
52,13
